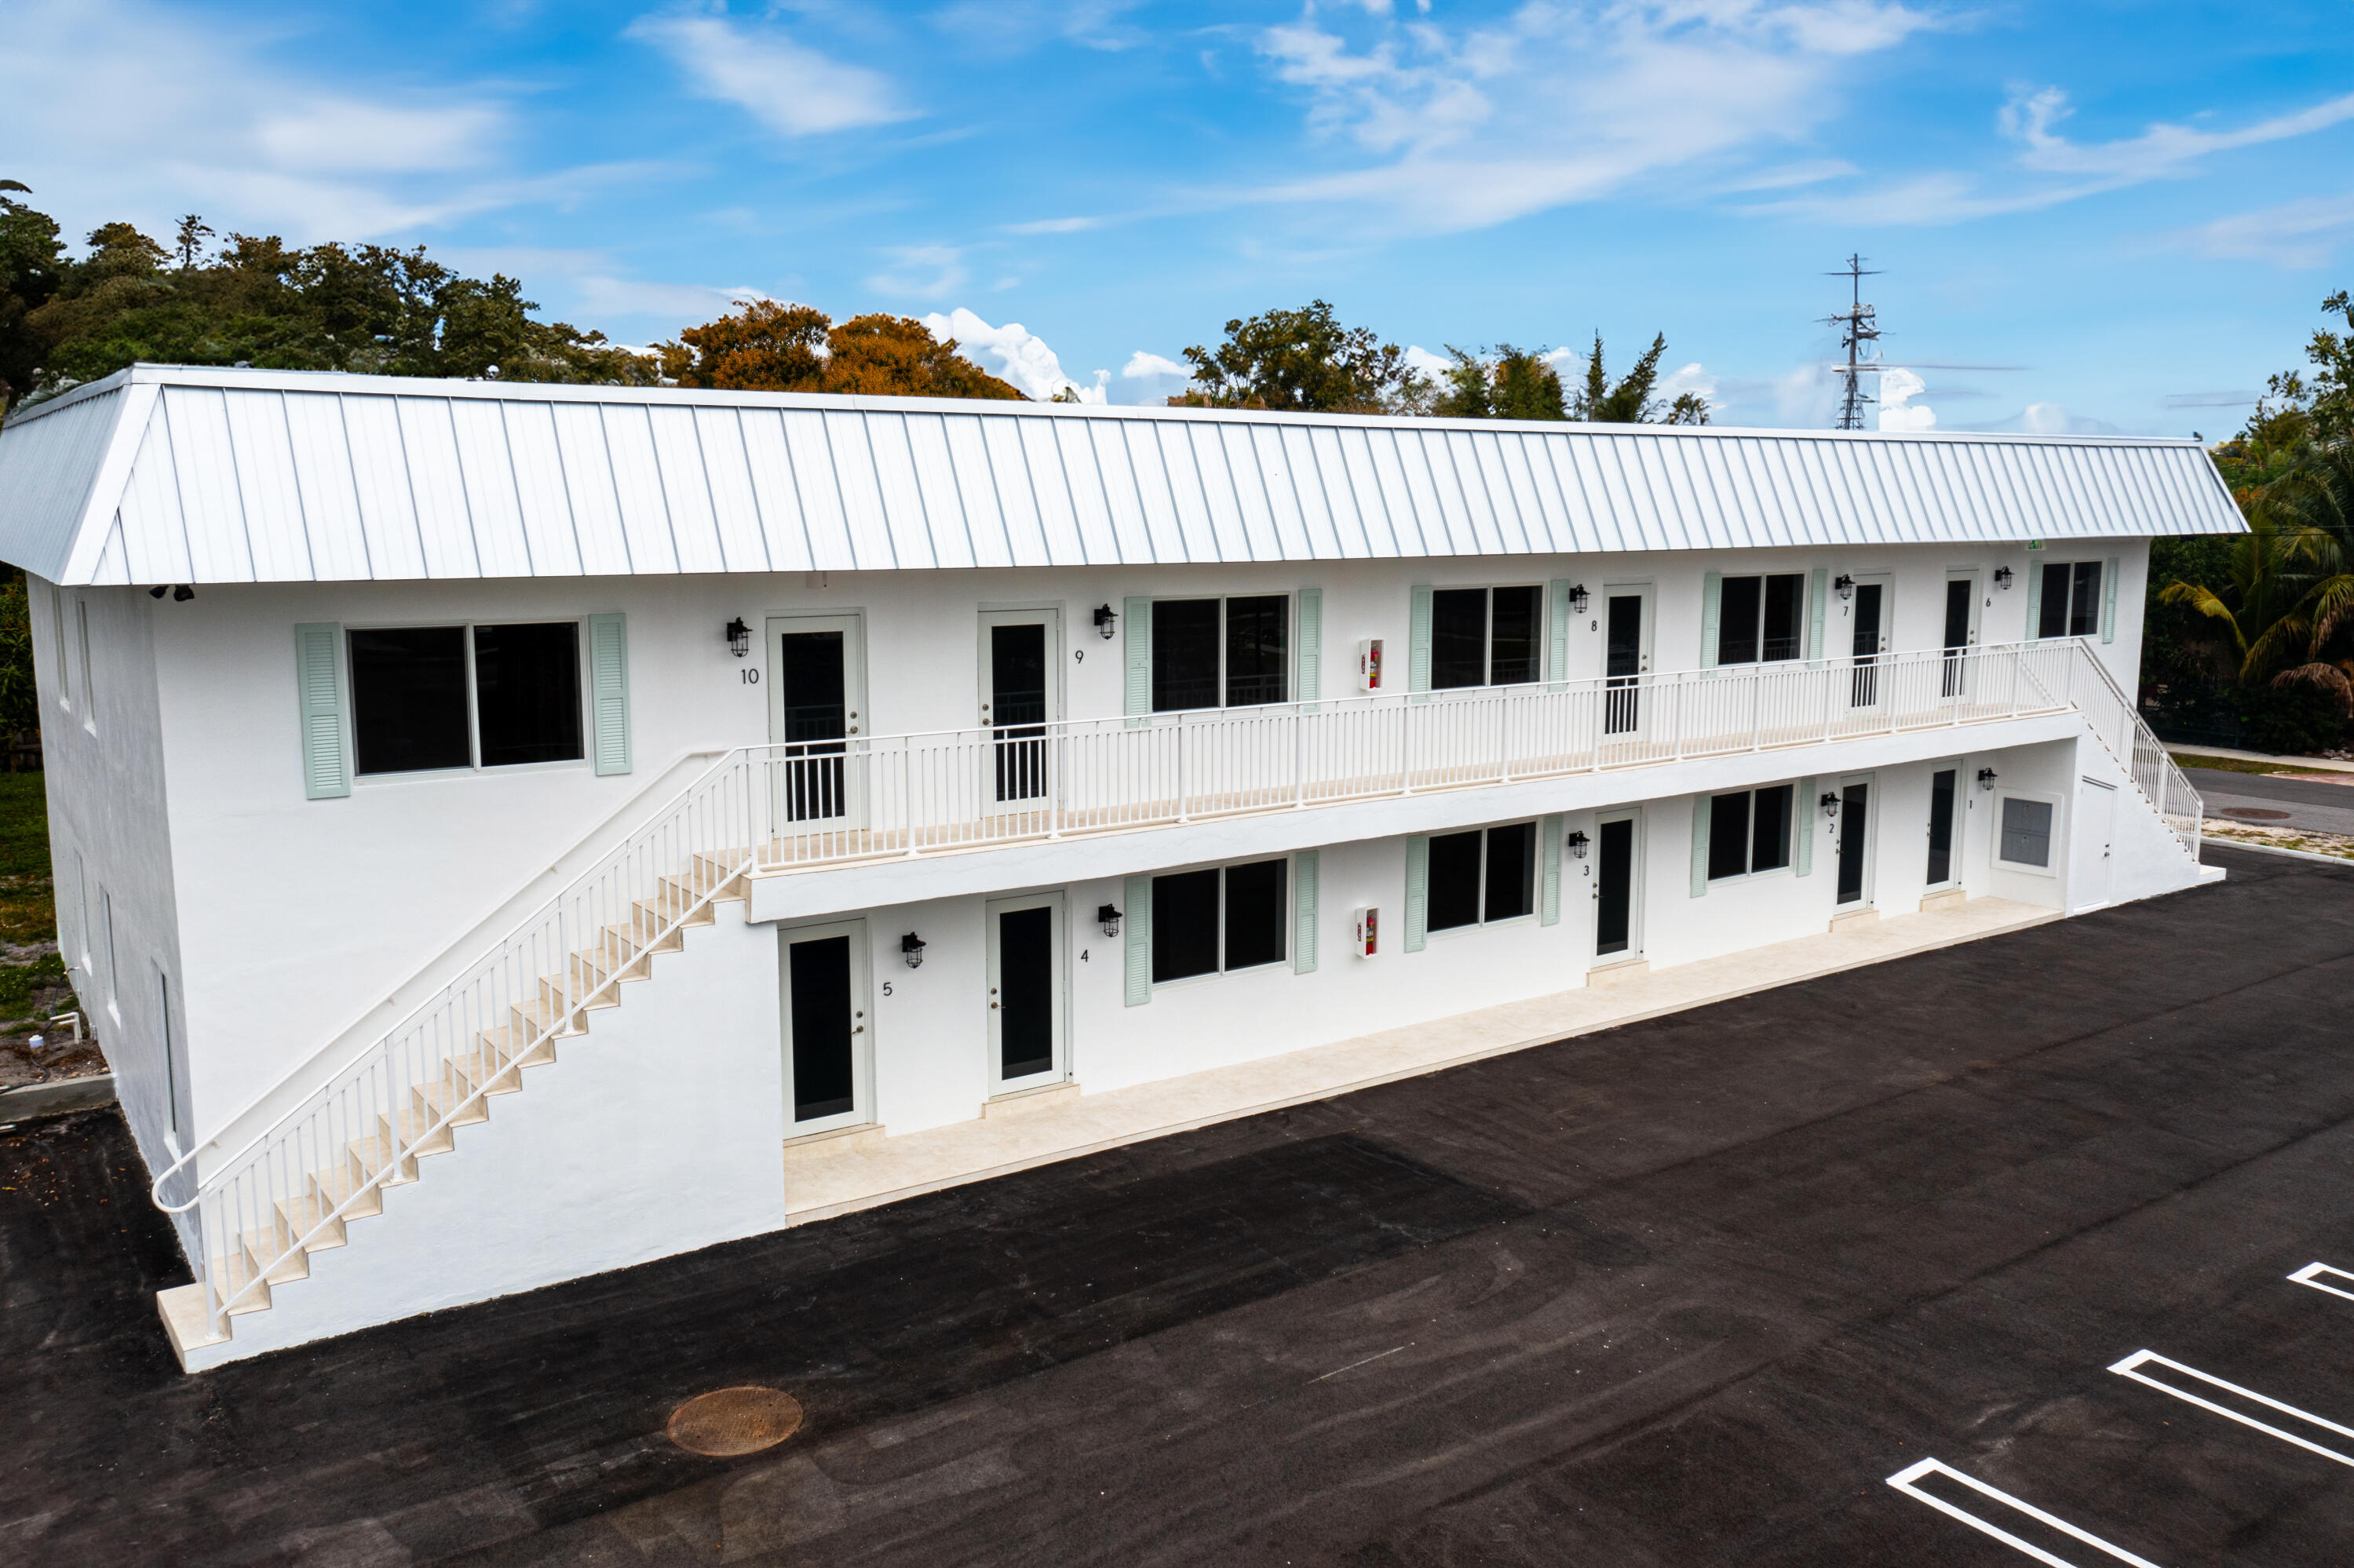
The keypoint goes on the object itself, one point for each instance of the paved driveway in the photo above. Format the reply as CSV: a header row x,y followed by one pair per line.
x,y
2319,805
1684,1293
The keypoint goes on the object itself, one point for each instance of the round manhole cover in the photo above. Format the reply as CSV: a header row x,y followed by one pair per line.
x,y
731,1421
2255,814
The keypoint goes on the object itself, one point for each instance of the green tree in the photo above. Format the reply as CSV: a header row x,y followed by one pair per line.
x,y
32,261
1633,400
1515,384
1304,361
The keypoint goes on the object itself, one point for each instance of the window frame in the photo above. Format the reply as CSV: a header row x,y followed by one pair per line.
x,y
581,697
1791,828
2100,566
1537,635
1290,918
1536,826
1291,650
2056,841
1800,621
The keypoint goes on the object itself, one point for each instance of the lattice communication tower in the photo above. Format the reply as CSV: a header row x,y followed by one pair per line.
x,y
1858,327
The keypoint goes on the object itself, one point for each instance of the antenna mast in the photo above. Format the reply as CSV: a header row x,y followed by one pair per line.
x,y
1858,327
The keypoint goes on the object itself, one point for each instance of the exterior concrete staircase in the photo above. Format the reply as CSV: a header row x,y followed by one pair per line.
x,y
351,1184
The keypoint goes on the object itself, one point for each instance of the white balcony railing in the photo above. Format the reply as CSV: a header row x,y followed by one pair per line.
x,y
789,808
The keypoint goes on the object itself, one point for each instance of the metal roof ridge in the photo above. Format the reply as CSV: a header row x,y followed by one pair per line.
x,y
369,384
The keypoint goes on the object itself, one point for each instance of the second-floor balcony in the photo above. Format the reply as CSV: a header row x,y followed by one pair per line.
x,y
824,802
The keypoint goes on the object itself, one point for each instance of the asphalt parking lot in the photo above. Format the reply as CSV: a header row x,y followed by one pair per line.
x,y
1687,1292
2267,799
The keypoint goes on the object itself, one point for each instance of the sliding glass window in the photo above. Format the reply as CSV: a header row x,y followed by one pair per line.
x,y
1481,876
432,697
1750,832
1219,920
1485,637
1757,618
1221,652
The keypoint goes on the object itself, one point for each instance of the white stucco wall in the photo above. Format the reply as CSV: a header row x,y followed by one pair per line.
x,y
110,843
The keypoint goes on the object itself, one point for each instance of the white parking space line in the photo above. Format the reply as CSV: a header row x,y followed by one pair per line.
x,y
2130,1367
1902,1481
2311,1275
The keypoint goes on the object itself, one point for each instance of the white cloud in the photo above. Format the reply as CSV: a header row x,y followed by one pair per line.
x,y
1055,226
2162,151
1898,387
2048,420
1141,365
789,87
926,271
1691,378
2296,234
1431,365
1015,353
1473,126
194,117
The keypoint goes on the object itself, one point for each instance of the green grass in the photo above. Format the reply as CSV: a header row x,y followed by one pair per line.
x,y
28,910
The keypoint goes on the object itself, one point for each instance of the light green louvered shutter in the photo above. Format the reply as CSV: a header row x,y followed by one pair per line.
x,y
1303,938
1312,646
1557,645
1802,823
1138,691
1139,976
1418,892
2034,602
1549,905
319,687
2109,600
1711,611
1700,845
1418,646
609,689
1818,590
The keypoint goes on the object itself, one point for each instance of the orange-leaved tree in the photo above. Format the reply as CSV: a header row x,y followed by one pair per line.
x,y
771,347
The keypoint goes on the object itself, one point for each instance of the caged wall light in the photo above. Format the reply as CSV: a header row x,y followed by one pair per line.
x,y
911,948
1107,617
1108,917
740,637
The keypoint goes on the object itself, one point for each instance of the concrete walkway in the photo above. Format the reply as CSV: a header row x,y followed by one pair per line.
x,y
2301,764
841,1175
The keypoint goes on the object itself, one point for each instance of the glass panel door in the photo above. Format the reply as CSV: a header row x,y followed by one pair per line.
x,y
1018,669
1867,643
1615,911
1941,825
816,689
1961,630
1855,843
1026,1017
1626,658
827,1043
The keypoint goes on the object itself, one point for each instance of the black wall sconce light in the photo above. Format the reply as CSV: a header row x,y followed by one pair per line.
x,y
1844,587
1578,598
911,948
1108,917
1576,843
1107,617
2002,577
1986,778
1830,806
740,637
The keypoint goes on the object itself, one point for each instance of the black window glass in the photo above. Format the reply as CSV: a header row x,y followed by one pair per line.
x,y
1453,896
1941,827
1258,650
1512,871
1728,835
1769,829
409,699
1512,636
1025,980
824,1061
1255,914
1458,638
1784,593
527,693
1184,655
1185,925
1736,625
2084,600
2051,613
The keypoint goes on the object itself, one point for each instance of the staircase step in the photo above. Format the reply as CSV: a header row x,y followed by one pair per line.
x,y
297,1217
372,1160
273,1258
330,1188
439,1100
233,1275
415,1128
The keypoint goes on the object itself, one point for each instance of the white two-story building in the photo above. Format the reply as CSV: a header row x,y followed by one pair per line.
x,y
722,788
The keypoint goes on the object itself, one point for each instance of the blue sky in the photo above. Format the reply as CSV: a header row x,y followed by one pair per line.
x,y
2092,216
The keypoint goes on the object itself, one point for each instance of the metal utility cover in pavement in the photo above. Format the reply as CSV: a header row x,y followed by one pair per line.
x,y
727,1422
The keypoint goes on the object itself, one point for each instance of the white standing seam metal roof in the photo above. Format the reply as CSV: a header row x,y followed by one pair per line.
x,y
171,474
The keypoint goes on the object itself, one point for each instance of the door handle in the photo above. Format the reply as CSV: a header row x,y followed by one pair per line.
x,y
858,1029
992,1006
853,729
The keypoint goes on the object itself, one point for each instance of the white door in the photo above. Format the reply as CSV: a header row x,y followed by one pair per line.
x,y
829,1046
1626,628
1868,615
1616,868
817,701
1028,1023
2097,812
1021,666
